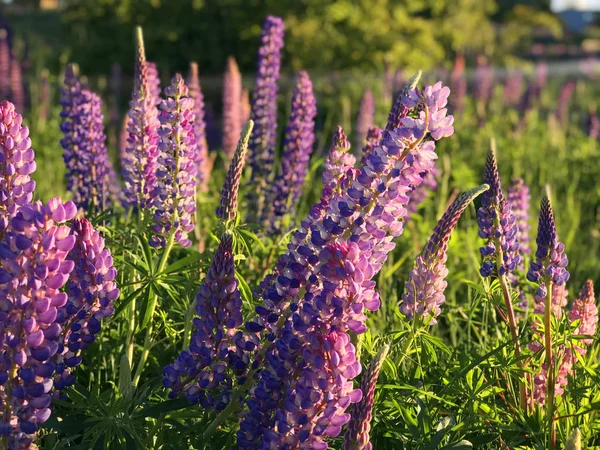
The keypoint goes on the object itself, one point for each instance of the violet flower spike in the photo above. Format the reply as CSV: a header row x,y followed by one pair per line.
x,y
203,162
358,432
232,97
219,351
174,197
227,209
17,163
424,291
325,284
264,114
497,225
297,149
139,161
153,82
366,116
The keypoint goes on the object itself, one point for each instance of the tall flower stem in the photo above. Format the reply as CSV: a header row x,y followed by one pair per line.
x,y
549,365
149,329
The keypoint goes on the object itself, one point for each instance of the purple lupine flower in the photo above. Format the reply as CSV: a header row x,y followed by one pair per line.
x,y
339,160
420,193
84,143
458,84
593,125
227,209
4,65
139,162
366,116
402,105
372,140
424,292
17,163
219,350
203,162
232,98
483,81
297,149
34,268
359,428
174,197
518,198
325,283
264,114
513,85
584,310
153,82
17,88
91,291
564,98
245,108
497,225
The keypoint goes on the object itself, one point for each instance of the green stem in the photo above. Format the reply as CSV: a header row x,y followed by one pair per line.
x,y
188,325
148,338
549,366
131,332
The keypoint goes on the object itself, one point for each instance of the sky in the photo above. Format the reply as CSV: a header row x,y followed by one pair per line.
x,y
585,5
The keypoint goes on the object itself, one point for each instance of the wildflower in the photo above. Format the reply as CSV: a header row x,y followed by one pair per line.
x,y
174,197
203,162
232,97
153,80
424,292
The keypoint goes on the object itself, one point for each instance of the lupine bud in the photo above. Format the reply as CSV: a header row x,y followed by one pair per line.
x,y
203,163
232,97
4,65
16,84
264,114
325,284
424,292
497,225
153,82
366,116
174,197
85,153
227,209
17,163
358,432
297,148
139,163
219,350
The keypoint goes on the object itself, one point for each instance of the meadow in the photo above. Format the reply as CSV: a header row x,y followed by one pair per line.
x,y
403,262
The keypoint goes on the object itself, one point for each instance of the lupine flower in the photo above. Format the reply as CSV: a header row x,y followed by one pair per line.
x,y
419,194
585,311
497,225
424,292
513,84
153,82
357,434
4,65
232,98
458,84
483,81
372,140
245,108
139,163
17,163
45,328
17,88
297,148
227,209
518,198
174,197
324,285
219,351
85,153
203,162
400,107
264,113
366,116
564,98
45,96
